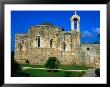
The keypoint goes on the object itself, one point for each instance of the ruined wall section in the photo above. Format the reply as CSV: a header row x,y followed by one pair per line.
x,y
89,54
21,46
74,53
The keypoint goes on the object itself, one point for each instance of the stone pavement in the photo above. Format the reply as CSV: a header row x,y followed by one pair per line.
x,y
90,73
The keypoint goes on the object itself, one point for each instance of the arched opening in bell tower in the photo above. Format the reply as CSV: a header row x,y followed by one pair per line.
x,y
75,23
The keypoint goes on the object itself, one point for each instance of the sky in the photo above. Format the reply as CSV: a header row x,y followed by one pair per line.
x,y
89,22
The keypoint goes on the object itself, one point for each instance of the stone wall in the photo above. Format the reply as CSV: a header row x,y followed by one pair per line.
x,y
74,53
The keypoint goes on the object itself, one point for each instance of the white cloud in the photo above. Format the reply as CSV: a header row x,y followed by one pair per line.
x,y
86,34
96,30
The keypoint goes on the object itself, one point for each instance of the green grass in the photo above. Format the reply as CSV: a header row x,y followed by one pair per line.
x,y
73,67
45,73
65,67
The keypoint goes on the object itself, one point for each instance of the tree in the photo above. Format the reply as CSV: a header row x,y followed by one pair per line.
x,y
15,67
62,29
52,63
97,72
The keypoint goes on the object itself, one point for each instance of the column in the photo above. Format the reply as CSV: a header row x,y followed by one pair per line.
x,y
78,24
72,25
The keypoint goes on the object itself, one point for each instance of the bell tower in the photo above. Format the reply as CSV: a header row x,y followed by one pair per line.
x,y
75,22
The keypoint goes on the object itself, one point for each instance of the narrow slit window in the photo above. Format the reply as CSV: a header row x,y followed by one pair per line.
x,y
38,41
20,46
51,43
64,46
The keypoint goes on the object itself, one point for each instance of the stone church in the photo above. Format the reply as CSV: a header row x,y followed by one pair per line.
x,y
45,40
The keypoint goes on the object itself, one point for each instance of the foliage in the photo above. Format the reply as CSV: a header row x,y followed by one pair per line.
x,y
52,63
97,72
62,29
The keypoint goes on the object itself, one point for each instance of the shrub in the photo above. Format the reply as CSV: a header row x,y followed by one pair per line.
x,y
97,72
52,63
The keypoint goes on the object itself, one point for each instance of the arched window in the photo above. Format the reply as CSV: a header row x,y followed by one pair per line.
x,y
51,43
64,46
20,47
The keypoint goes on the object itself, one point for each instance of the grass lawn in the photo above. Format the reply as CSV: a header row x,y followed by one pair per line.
x,y
65,67
70,67
45,73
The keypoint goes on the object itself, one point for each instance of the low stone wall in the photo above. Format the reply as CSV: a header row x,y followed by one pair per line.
x,y
40,56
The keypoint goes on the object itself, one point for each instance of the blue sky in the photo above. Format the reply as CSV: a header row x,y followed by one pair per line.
x,y
89,22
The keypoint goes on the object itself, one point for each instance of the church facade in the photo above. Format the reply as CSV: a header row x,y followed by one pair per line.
x,y
43,41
